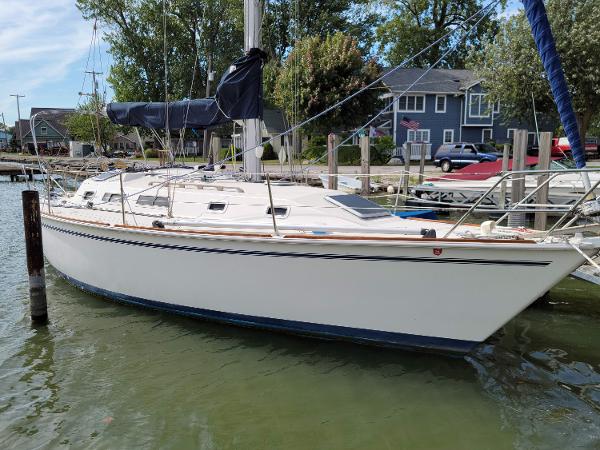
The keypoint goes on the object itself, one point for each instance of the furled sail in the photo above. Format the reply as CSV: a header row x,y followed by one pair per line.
x,y
544,40
239,96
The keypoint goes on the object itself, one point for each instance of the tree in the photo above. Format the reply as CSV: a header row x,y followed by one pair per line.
x,y
415,24
329,71
82,125
286,21
512,69
196,32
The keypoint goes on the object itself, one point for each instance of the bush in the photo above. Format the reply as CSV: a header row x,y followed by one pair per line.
x,y
269,153
382,150
151,153
226,153
317,147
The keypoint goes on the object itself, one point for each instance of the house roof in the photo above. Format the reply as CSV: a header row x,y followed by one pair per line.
x,y
54,117
447,81
274,120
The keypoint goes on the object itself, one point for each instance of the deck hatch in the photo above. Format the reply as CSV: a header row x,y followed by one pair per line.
x,y
359,206
151,200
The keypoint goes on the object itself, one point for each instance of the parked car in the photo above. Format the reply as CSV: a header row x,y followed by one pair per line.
x,y
562,147
461,154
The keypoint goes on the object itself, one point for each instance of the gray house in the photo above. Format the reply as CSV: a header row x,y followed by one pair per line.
x,y
450,106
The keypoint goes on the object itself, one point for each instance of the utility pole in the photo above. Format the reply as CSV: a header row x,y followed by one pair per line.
x,y
205,142
18,96
252,127
96,100
5,131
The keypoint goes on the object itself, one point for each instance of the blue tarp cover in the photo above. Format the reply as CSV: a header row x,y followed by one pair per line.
x,y
542,34
238,96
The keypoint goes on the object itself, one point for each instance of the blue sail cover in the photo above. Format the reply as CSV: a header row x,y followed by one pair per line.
x,y
542,34
239,96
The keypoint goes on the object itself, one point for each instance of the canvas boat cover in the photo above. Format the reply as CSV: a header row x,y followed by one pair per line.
x,y
238,96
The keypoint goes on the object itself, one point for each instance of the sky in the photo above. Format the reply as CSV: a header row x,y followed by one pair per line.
x,y
44,47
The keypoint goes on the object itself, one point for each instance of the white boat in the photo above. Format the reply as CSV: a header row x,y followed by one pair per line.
x,y
347,183
338,266
290,257
564,189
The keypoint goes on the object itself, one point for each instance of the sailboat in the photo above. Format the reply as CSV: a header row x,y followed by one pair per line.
x,y
289,257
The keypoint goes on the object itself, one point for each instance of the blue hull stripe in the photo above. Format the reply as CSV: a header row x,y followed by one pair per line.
x,y
344,257
364,336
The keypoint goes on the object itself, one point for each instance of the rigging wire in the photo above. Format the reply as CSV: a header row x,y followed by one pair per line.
x,y
486,10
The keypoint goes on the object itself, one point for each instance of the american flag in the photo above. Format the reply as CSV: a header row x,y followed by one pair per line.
x,y
412,124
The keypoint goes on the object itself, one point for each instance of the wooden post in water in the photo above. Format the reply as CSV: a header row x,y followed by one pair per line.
x,y
544,155
422,162
215,144
406,174
518,182
332,161
365,166
35,256
505,165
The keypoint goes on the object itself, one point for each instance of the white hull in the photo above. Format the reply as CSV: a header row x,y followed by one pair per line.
x,y
401,293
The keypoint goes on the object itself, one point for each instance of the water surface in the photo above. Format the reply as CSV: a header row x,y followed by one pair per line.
x,y
103,375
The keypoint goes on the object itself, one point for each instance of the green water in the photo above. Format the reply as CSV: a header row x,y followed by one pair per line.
x,y
109,376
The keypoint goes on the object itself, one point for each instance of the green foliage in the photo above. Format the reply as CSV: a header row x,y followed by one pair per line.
x,y
349,155
268,153
82,125
415,24
512,69
281,27
196,31
226,153
330,70
151,153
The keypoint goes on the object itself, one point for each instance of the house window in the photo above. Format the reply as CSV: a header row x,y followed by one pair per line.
x,y
448,136
497,108
440,103
510,133
43,131
418,135
479,106
531,139
411,103
487,134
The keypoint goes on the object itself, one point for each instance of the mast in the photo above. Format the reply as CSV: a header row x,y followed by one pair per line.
x,y
252,127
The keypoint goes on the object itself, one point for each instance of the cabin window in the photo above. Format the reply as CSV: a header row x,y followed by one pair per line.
x,y
88,194
440,103
216,206
108,197
411,103
280,211
151,200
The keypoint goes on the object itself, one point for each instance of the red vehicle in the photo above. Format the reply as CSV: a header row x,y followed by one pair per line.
x,y
561,146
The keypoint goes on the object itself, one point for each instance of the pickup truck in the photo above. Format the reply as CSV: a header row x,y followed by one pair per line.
x,y
561,146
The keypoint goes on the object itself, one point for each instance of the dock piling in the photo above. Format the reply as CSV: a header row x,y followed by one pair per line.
x,y
406,175
544,155
517,193
422,163
35,256
332,161
365,166
505,165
